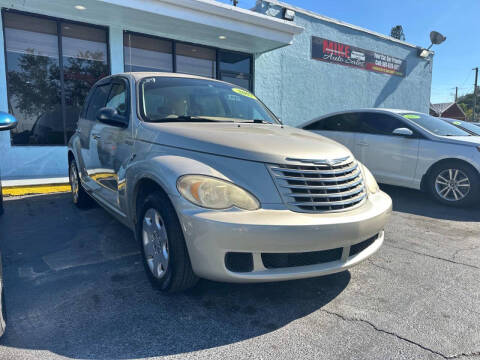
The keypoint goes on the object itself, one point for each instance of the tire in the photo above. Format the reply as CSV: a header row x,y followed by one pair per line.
x,y
164,252
454,183
79,196
3,314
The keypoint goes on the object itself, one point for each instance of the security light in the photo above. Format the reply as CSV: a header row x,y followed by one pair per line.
x,y
80,7
436,38
423,53
288,14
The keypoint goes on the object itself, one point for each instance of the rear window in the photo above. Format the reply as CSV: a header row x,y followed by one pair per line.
x,y
472,128
434,125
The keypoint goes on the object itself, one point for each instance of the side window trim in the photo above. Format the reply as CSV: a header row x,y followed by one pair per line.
x,y
91,97
121,80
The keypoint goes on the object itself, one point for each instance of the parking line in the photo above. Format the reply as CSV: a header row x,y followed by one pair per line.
x,y
35,189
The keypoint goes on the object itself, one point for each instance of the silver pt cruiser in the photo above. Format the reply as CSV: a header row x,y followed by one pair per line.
x,y
214,186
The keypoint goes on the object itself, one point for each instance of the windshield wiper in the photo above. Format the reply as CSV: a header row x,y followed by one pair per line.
x,y
255,121
185,118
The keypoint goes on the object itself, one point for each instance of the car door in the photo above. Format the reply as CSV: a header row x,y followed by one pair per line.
x,y
340,127
391,158
88,156
115,144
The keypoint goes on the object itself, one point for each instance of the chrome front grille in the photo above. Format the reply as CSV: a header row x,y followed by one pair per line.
x,y
319,186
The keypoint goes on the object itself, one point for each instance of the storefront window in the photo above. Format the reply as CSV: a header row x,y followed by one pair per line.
x,y
235,68
234,62
84,63
142,53
33,79
196,60
48,79
149,53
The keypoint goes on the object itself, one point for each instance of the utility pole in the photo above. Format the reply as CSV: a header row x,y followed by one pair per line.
x,y
475,93
456,93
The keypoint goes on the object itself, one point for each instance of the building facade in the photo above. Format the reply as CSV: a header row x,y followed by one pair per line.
x,y
299,87
54,51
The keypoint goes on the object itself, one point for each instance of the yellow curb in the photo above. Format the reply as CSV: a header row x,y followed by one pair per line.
x,y
34,189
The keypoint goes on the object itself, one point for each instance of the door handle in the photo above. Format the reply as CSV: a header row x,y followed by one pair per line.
x,y
362,143
96,136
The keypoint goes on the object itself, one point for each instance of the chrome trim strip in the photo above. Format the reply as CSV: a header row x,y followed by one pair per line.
x,y
331,179
355,190
319,171
323,187
331,203
330,162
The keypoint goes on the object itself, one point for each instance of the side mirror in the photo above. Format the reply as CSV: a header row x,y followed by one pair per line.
x,y
110,116
402,132
7,121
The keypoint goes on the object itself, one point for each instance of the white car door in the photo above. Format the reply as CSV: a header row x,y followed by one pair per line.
x,y
340,128
391,158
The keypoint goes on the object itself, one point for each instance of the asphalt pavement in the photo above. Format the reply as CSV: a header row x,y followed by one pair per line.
x,y
75,288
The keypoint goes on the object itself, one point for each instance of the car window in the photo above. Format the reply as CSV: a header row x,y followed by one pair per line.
x,y
97,101
170,99
434,125
118,98
469,127
379,124
342,122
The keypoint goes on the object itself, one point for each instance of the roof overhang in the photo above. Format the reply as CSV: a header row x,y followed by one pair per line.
x,y
196,21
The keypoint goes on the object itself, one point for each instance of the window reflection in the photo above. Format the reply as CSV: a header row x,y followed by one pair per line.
x,y
34,75
196,60
84,58
33,79
149,53
142,53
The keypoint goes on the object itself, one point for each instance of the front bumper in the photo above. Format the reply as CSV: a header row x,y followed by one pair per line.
x,y
210,235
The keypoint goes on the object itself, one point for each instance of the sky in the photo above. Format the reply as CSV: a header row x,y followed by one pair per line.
x,y
456,19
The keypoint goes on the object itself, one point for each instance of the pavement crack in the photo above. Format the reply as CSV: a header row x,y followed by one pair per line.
x,y
344,318
435,257
457,356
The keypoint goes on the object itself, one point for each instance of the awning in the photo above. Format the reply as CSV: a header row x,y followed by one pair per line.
x,y
198,21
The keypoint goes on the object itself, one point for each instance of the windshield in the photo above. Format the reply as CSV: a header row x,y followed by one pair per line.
x,y
469,127
183,99
435,125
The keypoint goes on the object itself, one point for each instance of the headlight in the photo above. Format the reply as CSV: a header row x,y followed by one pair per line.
x,y
213,193
370,182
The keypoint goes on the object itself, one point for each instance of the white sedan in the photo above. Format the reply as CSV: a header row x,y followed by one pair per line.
x,y
410,149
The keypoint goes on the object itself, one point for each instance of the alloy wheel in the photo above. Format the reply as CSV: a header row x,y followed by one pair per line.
x,y
74,182
452,184
155,243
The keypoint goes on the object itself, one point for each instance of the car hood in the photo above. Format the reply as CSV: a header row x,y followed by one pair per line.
x,y
249,141
466,140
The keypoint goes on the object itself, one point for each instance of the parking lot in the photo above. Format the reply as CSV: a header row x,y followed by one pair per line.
x,y
76,288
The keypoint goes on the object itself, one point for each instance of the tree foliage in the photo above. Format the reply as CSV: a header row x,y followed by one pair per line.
x,y
466,103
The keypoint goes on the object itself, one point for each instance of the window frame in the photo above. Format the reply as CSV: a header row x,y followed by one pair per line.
x,y
59,35
116,79
218,70
91,97
327,118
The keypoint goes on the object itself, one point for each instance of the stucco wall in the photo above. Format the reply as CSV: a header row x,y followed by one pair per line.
x,y
298,88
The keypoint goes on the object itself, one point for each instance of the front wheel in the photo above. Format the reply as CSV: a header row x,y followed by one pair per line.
x,y
455,184
79,196
163,247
